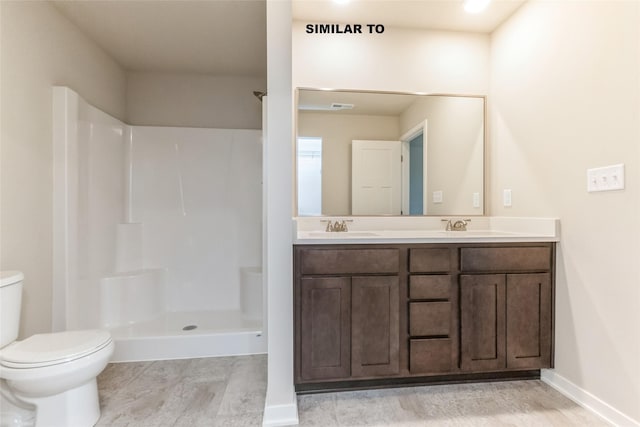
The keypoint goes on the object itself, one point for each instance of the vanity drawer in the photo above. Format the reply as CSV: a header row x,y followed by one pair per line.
x,y
429,260
430,355
430,287
429,319
505,259
349,261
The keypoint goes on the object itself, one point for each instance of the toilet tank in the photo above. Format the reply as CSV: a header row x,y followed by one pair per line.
x,y
10,303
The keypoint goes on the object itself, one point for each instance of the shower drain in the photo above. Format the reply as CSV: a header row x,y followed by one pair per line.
x,y
189,327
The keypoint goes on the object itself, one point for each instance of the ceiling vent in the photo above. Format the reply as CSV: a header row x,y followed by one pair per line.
x,y
340,106
334,106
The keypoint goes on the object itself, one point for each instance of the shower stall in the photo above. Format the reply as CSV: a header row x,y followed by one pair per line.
x,y
157,234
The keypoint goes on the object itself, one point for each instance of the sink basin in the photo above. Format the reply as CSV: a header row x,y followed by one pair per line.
x,y
403,234
341,234
487,233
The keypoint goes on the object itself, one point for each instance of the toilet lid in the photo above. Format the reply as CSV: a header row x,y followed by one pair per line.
x,y
50,349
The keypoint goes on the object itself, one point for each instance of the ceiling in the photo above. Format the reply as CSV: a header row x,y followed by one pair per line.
x,y
228,37
368,103
424,14
224,37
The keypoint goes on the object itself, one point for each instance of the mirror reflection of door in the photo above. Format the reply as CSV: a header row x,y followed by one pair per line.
x,y
414,170
416,176
376,177
309,161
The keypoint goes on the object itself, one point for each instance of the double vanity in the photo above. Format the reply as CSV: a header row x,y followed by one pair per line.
x,y
405,280
403,301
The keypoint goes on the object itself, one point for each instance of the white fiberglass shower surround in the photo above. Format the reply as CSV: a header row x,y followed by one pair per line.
x,y
157,234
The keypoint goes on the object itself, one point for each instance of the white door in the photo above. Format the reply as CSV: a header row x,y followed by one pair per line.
x,y
376,178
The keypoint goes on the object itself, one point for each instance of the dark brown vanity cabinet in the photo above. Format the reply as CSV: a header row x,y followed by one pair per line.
x,y
433,311
506,308
325,304
388,314
348,312
505,321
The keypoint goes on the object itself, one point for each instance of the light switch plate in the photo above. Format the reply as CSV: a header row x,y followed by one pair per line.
x,y
506,198
437,196
606,178
476,200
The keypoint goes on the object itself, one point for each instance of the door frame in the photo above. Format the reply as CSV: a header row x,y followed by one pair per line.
x,y
405,139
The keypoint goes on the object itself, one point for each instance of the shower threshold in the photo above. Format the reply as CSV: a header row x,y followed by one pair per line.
x,y
179,335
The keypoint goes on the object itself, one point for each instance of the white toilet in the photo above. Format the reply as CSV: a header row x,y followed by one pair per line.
x,y
54,373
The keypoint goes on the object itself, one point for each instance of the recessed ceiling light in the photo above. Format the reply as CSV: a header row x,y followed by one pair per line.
x,y
475,6
341,1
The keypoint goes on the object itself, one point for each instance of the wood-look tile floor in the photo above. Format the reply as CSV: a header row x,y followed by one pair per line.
x,y
499,404
230,391
221,391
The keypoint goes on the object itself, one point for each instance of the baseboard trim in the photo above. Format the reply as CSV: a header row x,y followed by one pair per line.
x,y
587,400
281,415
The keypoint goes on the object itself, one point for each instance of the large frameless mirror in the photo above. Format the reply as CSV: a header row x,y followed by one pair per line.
x,y
379,153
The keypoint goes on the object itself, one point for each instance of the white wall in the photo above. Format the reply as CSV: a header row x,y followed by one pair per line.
x,y
40,48
194,100
337,132
280,402
396,60
565,96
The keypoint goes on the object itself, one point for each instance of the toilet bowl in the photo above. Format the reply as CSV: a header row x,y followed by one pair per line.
x,y
55,373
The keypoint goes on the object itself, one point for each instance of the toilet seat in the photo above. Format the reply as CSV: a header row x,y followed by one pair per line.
x,y
51,349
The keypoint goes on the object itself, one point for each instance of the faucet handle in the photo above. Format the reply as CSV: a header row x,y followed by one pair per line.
x,y
449,225
330,227
461,224
343,225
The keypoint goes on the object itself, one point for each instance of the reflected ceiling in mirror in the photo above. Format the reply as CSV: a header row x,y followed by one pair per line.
x,y
381,153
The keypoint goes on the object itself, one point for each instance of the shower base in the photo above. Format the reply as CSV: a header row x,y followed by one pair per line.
x,y
183,335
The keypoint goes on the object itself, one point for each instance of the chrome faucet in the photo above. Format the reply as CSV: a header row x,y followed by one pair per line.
x,y
459,225
340,226
337,226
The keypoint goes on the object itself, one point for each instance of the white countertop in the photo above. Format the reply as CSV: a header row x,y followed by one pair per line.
x,y
386,230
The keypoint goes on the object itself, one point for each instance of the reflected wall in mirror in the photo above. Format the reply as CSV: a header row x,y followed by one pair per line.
x,y
389,153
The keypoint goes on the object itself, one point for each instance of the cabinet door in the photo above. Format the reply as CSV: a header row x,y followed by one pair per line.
x,y
375,326
482,316
325,317
528,321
